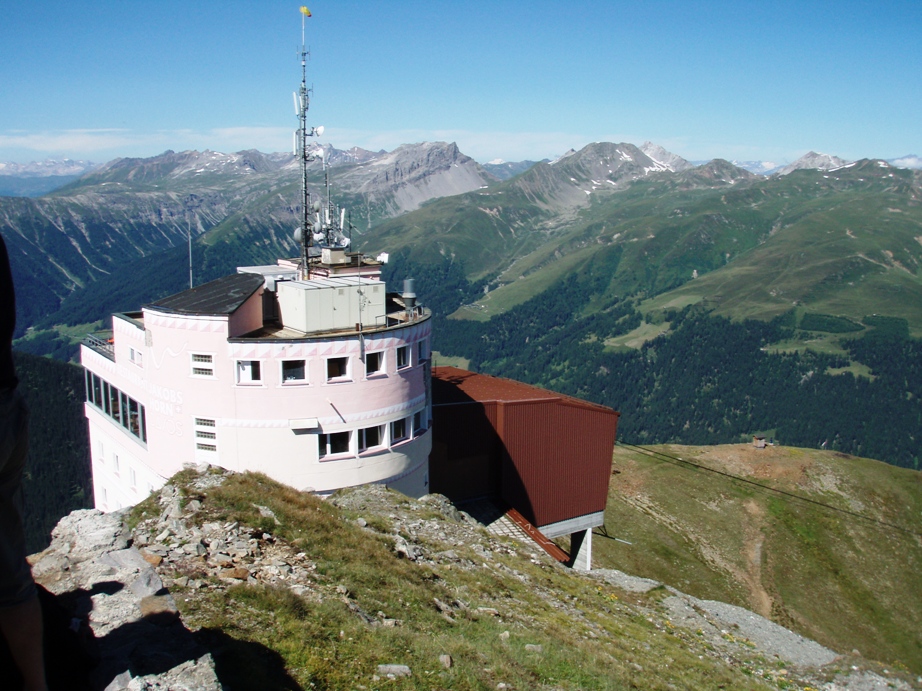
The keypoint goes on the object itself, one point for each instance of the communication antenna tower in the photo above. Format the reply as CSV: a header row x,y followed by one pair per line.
x,y
304,235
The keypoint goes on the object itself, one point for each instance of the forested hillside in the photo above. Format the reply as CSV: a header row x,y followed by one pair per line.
x,y
58,478
709,381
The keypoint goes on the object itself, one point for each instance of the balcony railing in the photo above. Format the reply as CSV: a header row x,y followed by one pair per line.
x,y
103,346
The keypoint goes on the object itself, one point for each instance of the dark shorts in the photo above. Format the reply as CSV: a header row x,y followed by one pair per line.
x,y
16,585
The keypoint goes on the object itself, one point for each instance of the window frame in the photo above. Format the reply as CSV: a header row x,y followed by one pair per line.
x,y
346,375
406,352
252,367
364,446
406,434
196,368
293,381
382,364
324,447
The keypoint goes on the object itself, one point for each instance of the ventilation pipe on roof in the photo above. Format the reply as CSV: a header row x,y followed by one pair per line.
x,y
409,297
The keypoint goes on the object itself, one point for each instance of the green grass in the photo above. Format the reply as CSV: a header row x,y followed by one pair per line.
x,y
590,637
845,582
636,338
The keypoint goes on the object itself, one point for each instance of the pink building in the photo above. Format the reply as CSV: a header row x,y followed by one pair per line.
x,y
320,384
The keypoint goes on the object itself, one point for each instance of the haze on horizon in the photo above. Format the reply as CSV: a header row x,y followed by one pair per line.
x,y
511,80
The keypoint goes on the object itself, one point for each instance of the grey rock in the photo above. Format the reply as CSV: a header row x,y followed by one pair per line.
x,y
394,670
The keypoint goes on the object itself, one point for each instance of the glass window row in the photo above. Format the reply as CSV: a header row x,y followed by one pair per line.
x,y
371,438
338,368
117,405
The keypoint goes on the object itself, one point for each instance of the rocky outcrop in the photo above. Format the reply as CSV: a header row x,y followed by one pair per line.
x,y
135,630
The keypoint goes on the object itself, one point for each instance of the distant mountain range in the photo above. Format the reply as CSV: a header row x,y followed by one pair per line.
x,y
519,231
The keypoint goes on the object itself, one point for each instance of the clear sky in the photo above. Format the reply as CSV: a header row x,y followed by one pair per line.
x,y
743,80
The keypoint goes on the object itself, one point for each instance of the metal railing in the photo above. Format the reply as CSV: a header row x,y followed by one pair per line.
x,y
101,346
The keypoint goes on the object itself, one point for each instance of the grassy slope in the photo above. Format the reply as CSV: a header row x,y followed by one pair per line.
x,y
843,243
592,636
846,583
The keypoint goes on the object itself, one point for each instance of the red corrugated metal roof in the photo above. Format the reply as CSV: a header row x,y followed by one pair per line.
x,y
466,386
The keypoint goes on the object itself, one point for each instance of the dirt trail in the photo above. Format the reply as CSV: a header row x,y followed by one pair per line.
x,y
759,598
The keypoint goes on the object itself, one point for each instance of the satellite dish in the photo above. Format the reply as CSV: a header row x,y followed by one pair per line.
x,y
319,130
345,242
382,257
297,235
316,205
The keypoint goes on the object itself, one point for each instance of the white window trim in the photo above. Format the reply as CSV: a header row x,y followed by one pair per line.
x,y
293,382
210,365
377,448
409,352
239,368
339,455
382,369
347,377
407,431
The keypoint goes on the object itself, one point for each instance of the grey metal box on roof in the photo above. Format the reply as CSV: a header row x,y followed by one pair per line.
x,y
328,304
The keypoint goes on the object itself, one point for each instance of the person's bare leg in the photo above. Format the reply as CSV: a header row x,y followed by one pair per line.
x,y
22,627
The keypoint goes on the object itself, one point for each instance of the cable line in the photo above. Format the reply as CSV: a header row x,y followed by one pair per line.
x,y
792,495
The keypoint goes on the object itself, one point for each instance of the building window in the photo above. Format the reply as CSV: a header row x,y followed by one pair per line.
x,y
370,437
115,462
118,405
374,363
293,371
202,365
422,353
337,368
333,443
136,357
205,434
134,477
419,422
249,372
403,357
398,430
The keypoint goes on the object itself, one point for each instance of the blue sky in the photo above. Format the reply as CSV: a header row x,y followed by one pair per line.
x,y
512,80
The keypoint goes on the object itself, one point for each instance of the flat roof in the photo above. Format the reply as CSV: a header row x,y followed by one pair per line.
x,y
454,385
219,297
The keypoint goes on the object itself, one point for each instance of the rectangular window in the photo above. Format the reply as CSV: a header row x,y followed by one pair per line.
x,y
403,357
249,372
202,434
126,413
419,422
134,477
337,368
293,371
115,462
97,391
202,365
398,430
333,443
374,363
136,357
202,422
371,437
206,447
421,354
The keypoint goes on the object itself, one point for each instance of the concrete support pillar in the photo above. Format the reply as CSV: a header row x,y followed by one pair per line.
x,y
581,550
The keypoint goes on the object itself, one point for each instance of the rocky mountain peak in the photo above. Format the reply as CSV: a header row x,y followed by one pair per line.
x,y
672,161
813,160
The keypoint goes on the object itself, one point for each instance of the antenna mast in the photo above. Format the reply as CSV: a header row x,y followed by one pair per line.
x,y
302,103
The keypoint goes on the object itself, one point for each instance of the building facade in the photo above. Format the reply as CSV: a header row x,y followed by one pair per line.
x,y
320,384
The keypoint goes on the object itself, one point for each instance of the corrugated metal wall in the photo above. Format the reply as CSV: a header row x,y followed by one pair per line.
x,y
557,459
548,457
